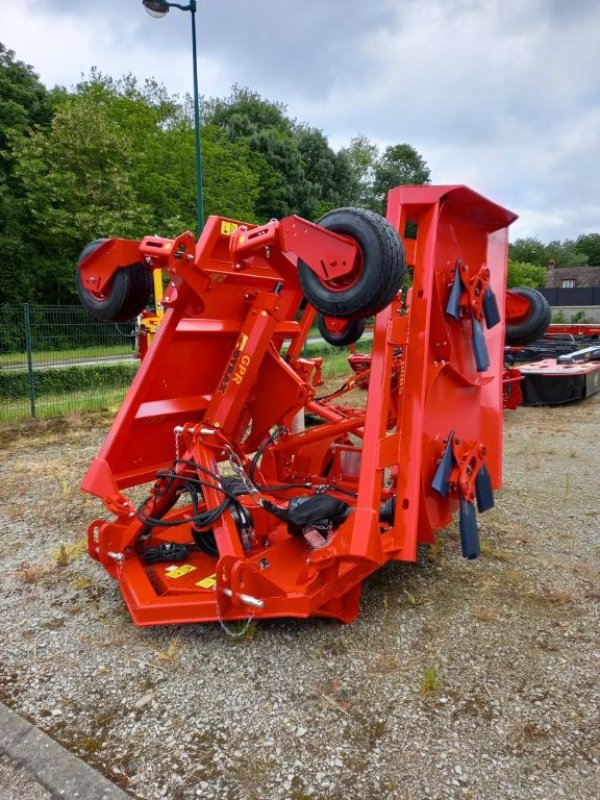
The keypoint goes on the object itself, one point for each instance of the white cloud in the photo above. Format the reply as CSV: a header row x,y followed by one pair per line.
x,y
499,94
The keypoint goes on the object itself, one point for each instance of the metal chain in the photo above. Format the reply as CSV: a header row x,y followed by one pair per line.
x,y
237,467
229,631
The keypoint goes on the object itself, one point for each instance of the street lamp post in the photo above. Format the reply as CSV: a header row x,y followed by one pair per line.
x,y
158,9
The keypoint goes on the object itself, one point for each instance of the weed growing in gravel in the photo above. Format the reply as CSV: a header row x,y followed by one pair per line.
x,y
485,615
89,744
559,597
172,650
487,549
81,582
31,575
435,549
502,555
431,680
69,552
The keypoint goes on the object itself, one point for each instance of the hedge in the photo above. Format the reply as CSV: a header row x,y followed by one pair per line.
x,y
61,380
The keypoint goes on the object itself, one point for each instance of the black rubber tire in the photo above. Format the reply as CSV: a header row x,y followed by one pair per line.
x,y
128,294
352,332
382,266
535,324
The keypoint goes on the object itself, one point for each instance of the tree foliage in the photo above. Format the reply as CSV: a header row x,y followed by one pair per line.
x,y
24,104
298,171
566,253
521,273
589,245
529,251
115,157
118,160
399,165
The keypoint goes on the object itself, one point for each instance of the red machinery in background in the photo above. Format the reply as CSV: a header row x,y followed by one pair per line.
x,y
268,498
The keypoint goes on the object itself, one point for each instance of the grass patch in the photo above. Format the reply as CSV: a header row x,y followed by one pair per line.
x,y
57,405
431,680
67,553
171,652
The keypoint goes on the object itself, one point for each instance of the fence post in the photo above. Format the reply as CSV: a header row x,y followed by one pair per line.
x,y
29,349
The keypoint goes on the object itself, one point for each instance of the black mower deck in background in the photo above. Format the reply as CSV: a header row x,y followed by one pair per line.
x,y
558,368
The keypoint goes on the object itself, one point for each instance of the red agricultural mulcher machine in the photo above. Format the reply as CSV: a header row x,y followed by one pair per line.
x,y
270,495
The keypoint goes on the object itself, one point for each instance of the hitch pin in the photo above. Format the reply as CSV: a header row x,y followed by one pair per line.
x,y
245,598
118,557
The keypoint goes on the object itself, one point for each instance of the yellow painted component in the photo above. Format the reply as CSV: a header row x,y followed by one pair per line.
x,y
158,293
150,325
179,572
208,582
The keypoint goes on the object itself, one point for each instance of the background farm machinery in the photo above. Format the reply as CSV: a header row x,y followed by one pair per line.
x,y
270,494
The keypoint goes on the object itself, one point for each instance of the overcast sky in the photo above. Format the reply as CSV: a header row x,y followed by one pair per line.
x,y
502,95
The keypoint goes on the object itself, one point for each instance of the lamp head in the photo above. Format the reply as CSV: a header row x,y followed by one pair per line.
x,y
156,8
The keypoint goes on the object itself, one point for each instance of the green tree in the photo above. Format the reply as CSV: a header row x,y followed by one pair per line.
x,y
565,254
399,165
78,181
528,250
362,156
521,273
588,244
298,172
245,117
327,174
24,103
231,185
118,160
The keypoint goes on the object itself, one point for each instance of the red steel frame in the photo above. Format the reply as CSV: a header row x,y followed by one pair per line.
x,y
225,367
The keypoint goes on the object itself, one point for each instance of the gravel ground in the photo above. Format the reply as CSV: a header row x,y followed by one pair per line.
x,y
459,680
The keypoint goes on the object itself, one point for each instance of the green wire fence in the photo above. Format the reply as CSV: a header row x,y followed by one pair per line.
x,y
56,360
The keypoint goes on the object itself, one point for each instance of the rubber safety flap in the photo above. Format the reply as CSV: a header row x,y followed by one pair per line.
x,y
483,490
441,479
491,311
482,359
453,306
469,532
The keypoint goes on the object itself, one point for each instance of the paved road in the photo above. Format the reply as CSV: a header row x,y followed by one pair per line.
x,y
35,767
17,784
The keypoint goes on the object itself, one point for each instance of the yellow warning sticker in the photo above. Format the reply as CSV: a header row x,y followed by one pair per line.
x,y
227,228
208,582
178,572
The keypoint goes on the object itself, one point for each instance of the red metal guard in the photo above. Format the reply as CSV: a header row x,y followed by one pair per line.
x,y
224,380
